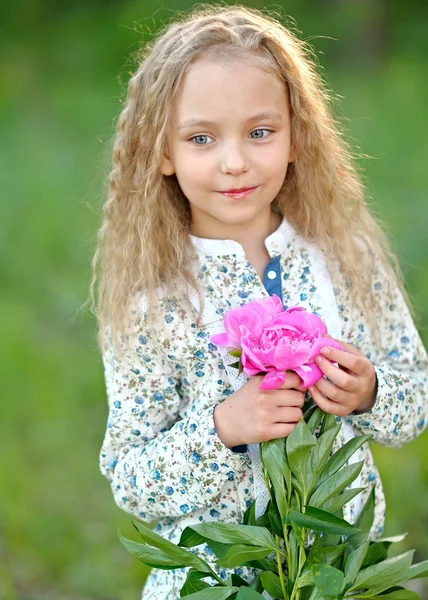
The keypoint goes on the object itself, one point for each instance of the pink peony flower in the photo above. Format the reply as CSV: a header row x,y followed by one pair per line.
x,y
274,340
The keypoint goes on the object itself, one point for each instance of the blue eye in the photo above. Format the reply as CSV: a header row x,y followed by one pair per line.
x,y
259,137
199,137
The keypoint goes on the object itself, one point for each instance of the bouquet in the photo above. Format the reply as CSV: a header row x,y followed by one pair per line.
x,y
302,545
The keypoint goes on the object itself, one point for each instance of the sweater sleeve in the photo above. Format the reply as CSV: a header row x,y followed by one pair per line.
x,y
401,364
157,463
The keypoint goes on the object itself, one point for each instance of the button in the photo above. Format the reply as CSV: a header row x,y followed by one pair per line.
x,y
271,274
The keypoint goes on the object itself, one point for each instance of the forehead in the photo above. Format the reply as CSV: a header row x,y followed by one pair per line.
x,y
213,90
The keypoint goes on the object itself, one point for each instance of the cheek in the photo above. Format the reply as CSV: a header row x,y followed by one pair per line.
x,y
273,166
194,171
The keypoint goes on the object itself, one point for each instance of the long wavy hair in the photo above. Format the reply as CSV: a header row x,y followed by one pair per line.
x,y
143,243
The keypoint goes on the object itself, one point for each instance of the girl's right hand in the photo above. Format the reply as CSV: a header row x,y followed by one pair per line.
x,y
252,415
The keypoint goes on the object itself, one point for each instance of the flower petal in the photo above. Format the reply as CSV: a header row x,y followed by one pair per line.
x,y
272,380
220,339
289,357
309,376
321,343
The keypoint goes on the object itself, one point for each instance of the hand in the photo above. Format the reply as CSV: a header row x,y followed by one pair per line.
x,y
352,385
252,415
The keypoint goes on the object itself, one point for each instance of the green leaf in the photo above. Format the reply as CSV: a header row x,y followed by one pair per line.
x,y
275,518
214,593
229,533
298,445
340,457
293,545
236,365
329,540
328,580
316,595
240,553
364,522
263,521
190,538
264,565
272,584
397,595
306,578
152,557
393,539
256,584
377,552
316,553
192,587
193,583
387,573
316,556
235,353
419,570
247,593
219,549
328,422
250,514
276,466
237,581
333,504
354,562
315,417
332,553
172,550
320,454
319,520
335,483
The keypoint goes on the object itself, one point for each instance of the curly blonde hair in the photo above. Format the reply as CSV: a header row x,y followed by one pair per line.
x,y
143,243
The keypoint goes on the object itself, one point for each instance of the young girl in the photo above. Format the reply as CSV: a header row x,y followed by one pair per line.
x,y
232,182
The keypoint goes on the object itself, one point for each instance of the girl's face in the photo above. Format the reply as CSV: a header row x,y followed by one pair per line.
x,y
230,129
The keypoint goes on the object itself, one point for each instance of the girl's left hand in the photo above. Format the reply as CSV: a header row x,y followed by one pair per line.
x,y
352,385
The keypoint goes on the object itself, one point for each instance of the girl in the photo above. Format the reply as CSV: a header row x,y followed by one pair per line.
x,y
231,182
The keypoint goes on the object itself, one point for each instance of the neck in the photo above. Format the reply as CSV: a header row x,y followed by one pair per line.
x,y
250,236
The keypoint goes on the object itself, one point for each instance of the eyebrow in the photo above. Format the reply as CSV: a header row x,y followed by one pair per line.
x,y
268,115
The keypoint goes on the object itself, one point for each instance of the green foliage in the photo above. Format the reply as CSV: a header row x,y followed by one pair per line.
x,y
354,566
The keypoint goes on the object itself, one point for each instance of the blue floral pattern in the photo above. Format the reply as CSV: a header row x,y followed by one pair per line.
x,y
161,453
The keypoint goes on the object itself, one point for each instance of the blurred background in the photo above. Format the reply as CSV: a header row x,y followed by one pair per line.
x,y
63,71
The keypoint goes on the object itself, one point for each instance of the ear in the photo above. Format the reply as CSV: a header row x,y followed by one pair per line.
x,y
167,167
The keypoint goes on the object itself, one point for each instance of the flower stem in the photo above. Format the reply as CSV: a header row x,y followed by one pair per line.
x,y
278,553
295,594
280,571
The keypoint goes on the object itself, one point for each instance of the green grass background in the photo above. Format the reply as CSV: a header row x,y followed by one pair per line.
x,y
62,71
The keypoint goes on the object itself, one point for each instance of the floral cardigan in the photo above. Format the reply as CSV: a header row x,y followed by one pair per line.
x,y
161,453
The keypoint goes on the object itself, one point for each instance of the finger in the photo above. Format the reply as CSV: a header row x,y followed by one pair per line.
x,y
330,391
290,398
340,378
292,381
281,430
345,346
355,362
289,414
328,406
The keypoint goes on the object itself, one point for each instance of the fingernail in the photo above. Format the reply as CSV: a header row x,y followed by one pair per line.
x,y
325,351
318,359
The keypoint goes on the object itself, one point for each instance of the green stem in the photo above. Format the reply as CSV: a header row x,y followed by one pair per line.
x,y
287,546
280,571
279,552
295,594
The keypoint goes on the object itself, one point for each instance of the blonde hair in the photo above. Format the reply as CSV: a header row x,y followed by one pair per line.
x,y
143,243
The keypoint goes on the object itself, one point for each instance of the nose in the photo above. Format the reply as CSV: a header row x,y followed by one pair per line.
x,y
233,159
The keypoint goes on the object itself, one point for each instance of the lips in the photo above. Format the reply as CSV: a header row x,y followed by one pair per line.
x,y
239,193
